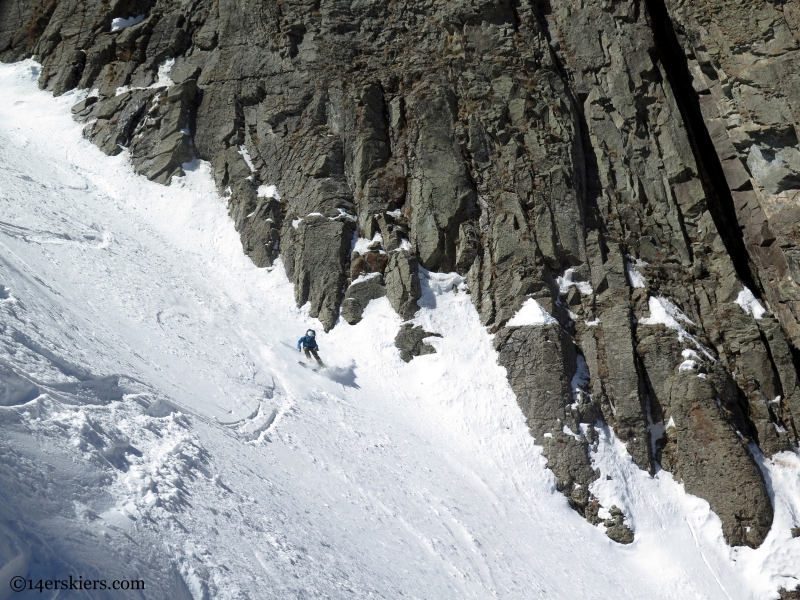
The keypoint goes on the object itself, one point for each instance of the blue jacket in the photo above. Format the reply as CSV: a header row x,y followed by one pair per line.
x,y
307,342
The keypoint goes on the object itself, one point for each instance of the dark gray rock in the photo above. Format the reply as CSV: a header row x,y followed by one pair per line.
x,y
371,148
623,384
183,92
102,53
358,296
161,142
660,352
168,39
260,229
440,193
316,271
713,463
781,356
758,380
116,120
790,594
759,154
402,283
540,361
83,108
410,342
616,528
21,26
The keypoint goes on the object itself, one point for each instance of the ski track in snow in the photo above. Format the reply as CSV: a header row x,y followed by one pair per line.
x,y
227,470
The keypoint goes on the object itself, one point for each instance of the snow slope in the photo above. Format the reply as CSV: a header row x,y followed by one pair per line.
x,y
224,469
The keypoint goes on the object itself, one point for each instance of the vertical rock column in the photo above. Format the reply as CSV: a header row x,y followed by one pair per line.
x,y
540,362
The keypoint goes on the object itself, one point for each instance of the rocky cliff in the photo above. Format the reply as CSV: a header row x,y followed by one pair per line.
x,y
630,166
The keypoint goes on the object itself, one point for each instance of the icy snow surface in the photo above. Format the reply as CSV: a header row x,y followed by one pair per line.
x,y
750,304
228,470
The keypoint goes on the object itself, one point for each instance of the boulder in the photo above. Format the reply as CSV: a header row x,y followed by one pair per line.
x,y
616,528
409,341
358,296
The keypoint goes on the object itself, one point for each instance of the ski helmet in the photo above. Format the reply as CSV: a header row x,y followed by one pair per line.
x,y
311,333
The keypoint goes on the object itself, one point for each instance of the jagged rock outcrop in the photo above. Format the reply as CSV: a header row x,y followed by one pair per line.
x,y
313,253
540,361
616,528
410,341
631,165
701,450
402,283
358,296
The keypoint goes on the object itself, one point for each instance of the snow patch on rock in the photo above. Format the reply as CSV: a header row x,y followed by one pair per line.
x,y
664,312
750,304
120,23
363,245
268,191
635,278
531,313
565,282
246,156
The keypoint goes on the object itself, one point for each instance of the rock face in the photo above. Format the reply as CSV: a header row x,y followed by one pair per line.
x,y
318,246
743,62
632,165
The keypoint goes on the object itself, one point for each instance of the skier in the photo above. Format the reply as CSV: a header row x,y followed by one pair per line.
x,y
309,344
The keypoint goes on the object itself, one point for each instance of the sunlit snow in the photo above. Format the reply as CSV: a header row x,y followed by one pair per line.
x,y
750,303
121,23
531,313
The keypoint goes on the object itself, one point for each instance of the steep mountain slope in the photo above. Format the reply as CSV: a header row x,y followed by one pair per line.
x,y
173,438
616,182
